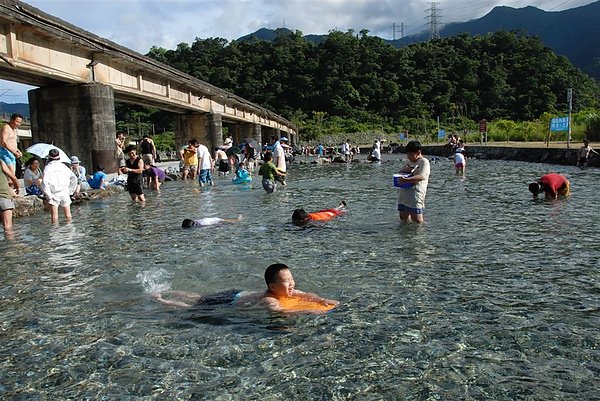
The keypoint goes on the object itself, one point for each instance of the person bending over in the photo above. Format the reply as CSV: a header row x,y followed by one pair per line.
x,y
301,217
281,288
552,185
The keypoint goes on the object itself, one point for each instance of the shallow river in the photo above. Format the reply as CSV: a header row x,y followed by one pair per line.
x,y
496,297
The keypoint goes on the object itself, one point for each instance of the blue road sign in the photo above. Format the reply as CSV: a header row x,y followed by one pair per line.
x,y
559,124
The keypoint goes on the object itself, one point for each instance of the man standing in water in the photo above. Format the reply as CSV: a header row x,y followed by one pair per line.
x,y
279,157
119,148
411,199
148,150
134,168
6,200
9,152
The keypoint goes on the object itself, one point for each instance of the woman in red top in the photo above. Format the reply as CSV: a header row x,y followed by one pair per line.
x,y
301,217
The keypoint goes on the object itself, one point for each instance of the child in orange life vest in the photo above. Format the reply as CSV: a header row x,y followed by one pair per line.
x,y
301,217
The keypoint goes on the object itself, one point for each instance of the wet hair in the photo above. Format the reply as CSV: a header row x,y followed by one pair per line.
x,y
535,188
268,156
187,223
413,146
273,271
299,216
129,148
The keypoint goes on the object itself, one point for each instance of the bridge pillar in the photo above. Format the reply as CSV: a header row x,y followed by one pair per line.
x,y
191,126
215,130
206,128
257,134
78,119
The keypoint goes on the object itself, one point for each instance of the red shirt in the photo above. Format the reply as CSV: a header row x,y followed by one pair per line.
x,y
553,182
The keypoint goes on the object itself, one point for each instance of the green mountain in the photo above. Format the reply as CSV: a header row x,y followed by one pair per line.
x,y
571,33
10,108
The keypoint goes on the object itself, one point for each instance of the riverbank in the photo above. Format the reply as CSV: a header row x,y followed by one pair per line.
x,y
520,151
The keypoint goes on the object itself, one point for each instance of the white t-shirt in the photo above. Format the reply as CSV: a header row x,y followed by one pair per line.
x,y
279,155
414,197
459,158
208,221
204,159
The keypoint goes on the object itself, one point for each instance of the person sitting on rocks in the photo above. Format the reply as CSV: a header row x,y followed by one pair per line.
x,y
32,178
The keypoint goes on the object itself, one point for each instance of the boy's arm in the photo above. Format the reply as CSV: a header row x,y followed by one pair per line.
x,y
309,296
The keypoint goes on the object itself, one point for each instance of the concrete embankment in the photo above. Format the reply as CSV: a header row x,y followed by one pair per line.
x,y
534,155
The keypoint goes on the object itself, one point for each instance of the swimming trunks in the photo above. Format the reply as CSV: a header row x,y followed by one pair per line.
x,y
7,157
229,297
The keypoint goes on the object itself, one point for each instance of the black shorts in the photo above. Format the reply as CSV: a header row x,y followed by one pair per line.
x,y
224,166
220,298
135,187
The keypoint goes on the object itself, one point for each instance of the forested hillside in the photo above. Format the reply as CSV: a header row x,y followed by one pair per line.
x,y
357,77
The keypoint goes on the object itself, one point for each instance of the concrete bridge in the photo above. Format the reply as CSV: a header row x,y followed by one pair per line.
x,y
81,75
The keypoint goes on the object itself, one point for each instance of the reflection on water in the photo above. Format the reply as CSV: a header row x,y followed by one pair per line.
x,y
495,297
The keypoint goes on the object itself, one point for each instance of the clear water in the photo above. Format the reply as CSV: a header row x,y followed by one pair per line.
x,y
495,297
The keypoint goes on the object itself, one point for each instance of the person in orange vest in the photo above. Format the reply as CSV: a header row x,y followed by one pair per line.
x,y
300,216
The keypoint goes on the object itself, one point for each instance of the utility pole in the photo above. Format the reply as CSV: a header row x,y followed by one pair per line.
x,y
394,30
570,100
433,14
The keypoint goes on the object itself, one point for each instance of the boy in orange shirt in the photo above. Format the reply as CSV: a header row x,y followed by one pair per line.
x,y
301,217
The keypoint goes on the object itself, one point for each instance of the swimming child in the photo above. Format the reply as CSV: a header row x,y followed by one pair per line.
x,y
281,295
301,217
208,221
269,172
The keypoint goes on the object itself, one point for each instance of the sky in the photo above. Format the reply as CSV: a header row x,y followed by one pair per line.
x,y
141,24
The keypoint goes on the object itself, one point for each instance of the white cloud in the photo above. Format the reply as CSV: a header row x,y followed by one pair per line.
x,y
140,24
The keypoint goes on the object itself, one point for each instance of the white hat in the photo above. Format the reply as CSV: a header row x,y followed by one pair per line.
x,y
75,160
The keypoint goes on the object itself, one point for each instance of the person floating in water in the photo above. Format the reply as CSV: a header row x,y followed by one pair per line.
x,y
552,184
208,221
281,295
301,217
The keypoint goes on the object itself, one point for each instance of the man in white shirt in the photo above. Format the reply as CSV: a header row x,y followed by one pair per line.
x,y
205,166
279,157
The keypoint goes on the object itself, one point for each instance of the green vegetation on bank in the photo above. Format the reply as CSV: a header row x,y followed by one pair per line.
x,y
356,86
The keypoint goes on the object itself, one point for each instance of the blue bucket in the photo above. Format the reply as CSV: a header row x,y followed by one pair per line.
x,y
398,184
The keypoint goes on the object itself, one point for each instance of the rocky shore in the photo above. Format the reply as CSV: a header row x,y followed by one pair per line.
x,y
31,204
560,156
